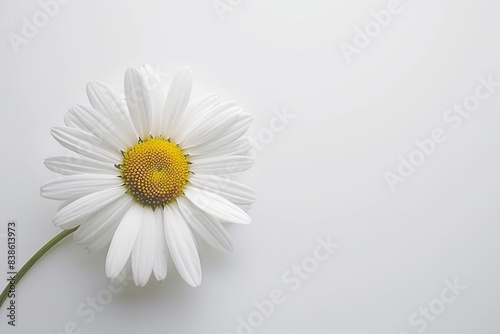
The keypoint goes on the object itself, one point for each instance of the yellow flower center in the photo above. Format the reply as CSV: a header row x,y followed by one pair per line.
x,y
155,171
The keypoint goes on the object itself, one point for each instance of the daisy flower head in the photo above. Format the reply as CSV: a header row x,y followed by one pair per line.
x,y
151,172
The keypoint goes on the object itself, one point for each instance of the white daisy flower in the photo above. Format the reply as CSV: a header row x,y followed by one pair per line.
x,y
152,171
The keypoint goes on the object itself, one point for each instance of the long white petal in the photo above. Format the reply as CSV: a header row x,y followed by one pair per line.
x,y
102,240
143,254
71,121
233,191
65,204
84,143
210,125
158,88
70,165
216,205
123,241
175,104
112,105
70,224
182,246
241,146
139,101
226,137
74,186
87,205
100,221
223,165
160,267
244,207
198,107
205,225
100,126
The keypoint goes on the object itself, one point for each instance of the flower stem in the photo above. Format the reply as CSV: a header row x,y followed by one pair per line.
x,y
54,241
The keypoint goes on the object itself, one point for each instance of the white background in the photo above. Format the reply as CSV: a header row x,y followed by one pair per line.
x,y
323,174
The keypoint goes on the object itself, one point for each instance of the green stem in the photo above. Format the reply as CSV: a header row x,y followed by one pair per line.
x,y
54,241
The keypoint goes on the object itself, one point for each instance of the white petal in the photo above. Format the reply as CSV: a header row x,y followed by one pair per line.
x,y
102,240
182,246
205,225
241,146
160,267
177,100
226,137
223,165
204,102
74,186
124,276
71,224
217,206
244,207
84,143
198,107
85,206
158,88
73,122
69,165
209,125
65,204
100,126
233,191
112,105
123,241
143,254
100,221
139,101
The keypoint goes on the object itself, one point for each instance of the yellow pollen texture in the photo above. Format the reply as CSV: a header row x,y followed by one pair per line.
x,y
155,171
